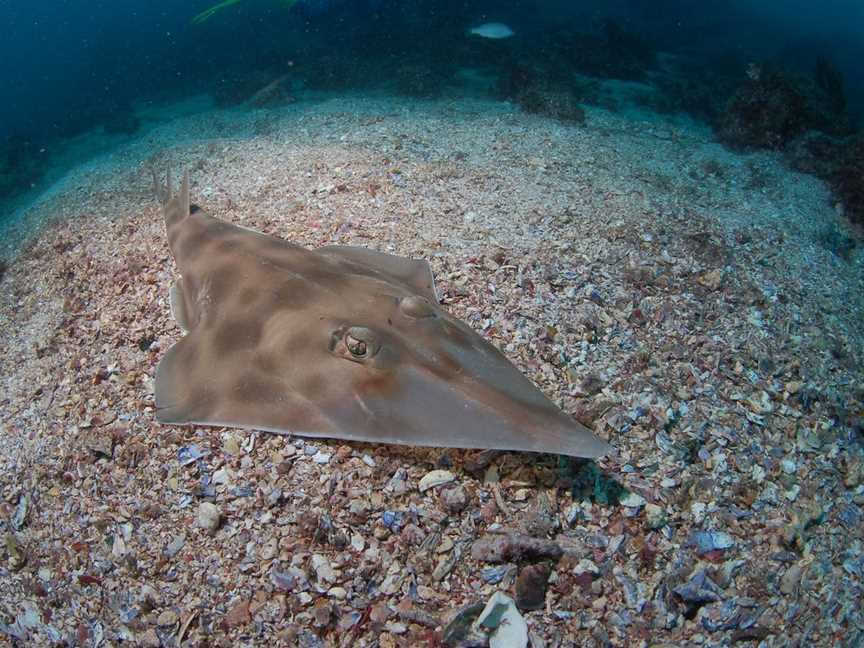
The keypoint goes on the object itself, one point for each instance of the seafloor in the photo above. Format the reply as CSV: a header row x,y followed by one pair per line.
x,y
684,301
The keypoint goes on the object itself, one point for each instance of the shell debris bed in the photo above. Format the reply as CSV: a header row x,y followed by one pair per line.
x,y
692,320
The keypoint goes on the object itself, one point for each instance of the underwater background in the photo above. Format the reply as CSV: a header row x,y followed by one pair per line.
x,y
761,74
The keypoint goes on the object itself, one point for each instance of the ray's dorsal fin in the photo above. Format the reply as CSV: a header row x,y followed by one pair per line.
x,y
177,206
415,273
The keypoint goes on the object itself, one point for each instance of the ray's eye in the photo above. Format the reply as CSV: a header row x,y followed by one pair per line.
x,y
356,348
356,343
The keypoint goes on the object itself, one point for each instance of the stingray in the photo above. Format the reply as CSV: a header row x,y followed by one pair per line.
x,y
338,342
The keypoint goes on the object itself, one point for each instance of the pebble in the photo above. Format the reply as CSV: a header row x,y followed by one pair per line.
x,y
706,541
292,579
269,550
167,618
394,627
655,516
586,566
150,639
174,547
788,466
435,478
445,545
632,500
223,476
19,518
323,569
854,473
209,517
322,458
101,443
790,580
698,511
459,628
380,613
231,446
338,593
454,499
711,279
495,575
238,615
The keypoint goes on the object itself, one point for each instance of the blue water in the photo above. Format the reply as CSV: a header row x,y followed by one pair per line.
x,y
71,67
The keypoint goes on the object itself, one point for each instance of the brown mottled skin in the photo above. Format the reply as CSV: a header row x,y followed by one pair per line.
x,y
337,342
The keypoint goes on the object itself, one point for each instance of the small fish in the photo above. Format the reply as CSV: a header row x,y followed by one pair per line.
x,y
339,342
494,30
208,13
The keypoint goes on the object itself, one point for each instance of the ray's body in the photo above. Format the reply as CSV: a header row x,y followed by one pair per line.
x,y
337,342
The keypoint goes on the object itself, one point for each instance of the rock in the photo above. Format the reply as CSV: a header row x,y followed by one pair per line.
x,y
209,517
167,618
502,621
531,586
435,478
513,547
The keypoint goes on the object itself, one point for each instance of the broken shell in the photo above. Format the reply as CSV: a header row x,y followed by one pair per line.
x,y
435,478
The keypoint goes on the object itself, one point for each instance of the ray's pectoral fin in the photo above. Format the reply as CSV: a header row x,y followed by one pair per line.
x,y
181,397
416,273
179,306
